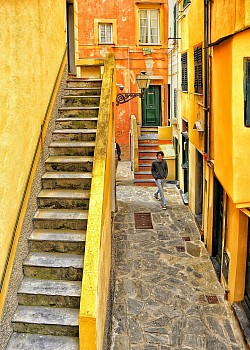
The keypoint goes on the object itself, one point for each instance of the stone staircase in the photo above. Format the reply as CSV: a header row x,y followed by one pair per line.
x,y
148,146
49,296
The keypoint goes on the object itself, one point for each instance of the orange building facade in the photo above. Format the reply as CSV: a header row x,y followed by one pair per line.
x,y
136,33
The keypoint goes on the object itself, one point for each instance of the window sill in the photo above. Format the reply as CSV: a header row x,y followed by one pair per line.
x,y
141,44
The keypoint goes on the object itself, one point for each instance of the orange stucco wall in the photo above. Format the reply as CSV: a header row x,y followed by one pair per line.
x,y
131,57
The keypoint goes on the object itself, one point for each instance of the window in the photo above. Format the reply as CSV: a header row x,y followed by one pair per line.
x,y
105,33
198,69
175,21
184,72
149,26
186,2
247,91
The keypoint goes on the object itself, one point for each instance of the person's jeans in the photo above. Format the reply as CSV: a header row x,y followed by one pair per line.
x,y
160,185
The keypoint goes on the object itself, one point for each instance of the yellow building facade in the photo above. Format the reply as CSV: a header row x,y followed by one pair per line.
x,y
214,133
33,57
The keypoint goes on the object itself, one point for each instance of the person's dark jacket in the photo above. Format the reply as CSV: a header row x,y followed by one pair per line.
x,y
159,169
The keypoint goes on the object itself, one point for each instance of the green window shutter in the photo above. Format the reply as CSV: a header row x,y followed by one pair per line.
x,y
247,93
184,72
175,24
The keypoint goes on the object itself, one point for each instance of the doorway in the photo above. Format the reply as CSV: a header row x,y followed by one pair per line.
x,y
218,205
199,188
246,302
71,37
151,106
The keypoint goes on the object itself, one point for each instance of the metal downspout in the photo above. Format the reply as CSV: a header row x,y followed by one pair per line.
x,y
206,76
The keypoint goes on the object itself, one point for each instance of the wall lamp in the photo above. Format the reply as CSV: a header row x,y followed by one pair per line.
x,y
143,82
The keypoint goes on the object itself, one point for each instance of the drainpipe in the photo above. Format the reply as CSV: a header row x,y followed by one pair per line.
x,y
206,76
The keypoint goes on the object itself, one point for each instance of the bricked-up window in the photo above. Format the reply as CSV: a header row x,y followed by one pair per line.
x,y
247,91
149,27
105,33
184,72
198,70
186,2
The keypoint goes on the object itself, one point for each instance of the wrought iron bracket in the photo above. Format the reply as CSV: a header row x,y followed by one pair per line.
x,y
127,96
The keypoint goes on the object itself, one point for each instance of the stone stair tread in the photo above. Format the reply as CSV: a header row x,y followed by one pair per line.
x,y
26,341
58,235
72,144
54,260
83,88
83,79
69,159
67,108
67,175
74,131
142,172
64,193
63,214
69,119
47,315
80,96
147,151
144,180
50,287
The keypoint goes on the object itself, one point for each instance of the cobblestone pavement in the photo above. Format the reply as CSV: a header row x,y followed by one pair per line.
x,y
163,280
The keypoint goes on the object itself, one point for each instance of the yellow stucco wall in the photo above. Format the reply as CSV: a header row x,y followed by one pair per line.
x,y
221,112
236,247
240,133
231,137
33,43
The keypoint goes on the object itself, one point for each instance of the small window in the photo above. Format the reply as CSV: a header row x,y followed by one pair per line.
x,y
198,70
184,72
247,91
175,103
149,27
186,2
105,33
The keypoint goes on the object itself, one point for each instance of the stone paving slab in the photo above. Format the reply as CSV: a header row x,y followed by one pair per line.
x,y
162,279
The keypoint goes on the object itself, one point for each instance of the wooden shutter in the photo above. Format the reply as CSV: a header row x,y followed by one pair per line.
x,y
247,93
184,73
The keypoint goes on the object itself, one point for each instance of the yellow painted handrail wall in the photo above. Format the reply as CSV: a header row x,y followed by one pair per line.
x,y
97,260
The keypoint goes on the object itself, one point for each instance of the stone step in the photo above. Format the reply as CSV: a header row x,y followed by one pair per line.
x,y
84,83
76,123
148,137
147,146
46,320
80,101
146,160
74,134
79,112
72,148
147,153
144,182
42,292
26,341
69,163
82,91
62,241
143,175
73,219
63,199
59,266
145,167
72,180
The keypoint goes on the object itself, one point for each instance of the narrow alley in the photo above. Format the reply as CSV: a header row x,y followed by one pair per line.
x,y
167,295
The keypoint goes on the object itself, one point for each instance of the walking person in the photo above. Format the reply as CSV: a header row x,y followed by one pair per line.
x,y
159,171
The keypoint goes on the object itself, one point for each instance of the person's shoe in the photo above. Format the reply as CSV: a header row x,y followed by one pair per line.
x,y
164,207
158,199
